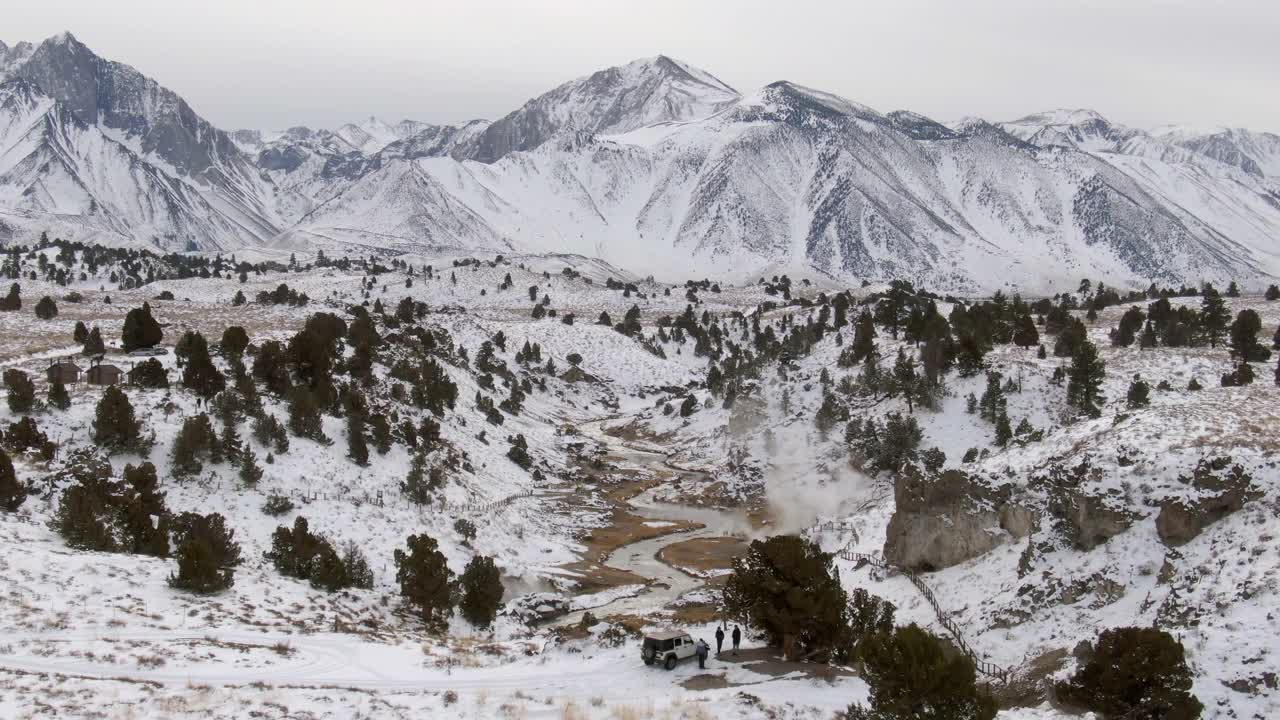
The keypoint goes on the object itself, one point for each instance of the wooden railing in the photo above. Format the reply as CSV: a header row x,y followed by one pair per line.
x,y
982,665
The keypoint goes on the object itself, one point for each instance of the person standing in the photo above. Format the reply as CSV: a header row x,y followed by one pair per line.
x,y
737,638
719,640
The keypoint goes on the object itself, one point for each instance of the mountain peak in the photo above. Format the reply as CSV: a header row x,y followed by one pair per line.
x,y
641,93
1062,116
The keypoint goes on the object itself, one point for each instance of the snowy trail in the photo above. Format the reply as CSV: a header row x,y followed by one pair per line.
x,y
321,659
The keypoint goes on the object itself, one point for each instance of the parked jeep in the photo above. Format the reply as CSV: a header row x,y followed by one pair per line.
x,y
667,648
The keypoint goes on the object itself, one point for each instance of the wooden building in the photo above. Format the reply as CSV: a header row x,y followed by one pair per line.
x,y
65,371
104,375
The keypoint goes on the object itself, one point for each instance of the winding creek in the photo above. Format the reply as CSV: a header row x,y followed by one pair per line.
x,y
664,582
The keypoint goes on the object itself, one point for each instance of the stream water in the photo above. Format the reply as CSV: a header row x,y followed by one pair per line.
x,y
666,583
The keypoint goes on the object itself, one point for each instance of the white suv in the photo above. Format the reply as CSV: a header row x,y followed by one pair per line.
x,y
668,648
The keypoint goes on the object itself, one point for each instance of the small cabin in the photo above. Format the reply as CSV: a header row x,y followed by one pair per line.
x,y
63,371
104,375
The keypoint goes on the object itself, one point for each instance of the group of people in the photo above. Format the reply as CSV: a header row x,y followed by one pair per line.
x,y
703,650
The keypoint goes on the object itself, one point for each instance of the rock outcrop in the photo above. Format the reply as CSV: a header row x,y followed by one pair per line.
x,y
1216,491
945,520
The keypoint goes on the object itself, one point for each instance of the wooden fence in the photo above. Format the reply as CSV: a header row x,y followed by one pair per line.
x,y
983,666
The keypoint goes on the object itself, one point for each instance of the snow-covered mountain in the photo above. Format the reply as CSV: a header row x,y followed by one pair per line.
x,y
655,166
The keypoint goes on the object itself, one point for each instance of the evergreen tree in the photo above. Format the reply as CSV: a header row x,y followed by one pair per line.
x,y
150,373
206,552
199,374
1134,673
195,440
22,392
1004,432
115,428
1214,316
906,381
1243,338
1130,323
87,514
481,589
46,309
1273,293
864,340
422,482
993,402
357,448
145,518
1148,338
234,341
93,344
304,415
1026,334
787,588
81,333
250,471
1084,383
913,676
12,491
519,452
425,580
13,301
1139,394
140,329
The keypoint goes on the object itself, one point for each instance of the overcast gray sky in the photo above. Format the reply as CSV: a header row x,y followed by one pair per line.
x,y
274,63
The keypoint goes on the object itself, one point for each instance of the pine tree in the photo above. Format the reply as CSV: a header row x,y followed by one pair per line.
x,y
787,588
1084,383
481,589
1214,316
115,428
1139,394
206,552
13,301
22,392
422,482
1148,338
198,373
357,448
86,517
250,471
425,580
913,676
145,518
1026,334
140,329
80,334
234,341
46,309
12,491
1243,338
304,415
1004,431
1273,293
196,439
993,402
906,381
1133,673
93,344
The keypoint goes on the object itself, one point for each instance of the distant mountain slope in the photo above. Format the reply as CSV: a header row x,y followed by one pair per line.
x,y
655,166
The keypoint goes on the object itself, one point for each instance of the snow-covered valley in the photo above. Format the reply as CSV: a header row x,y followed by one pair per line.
x,y
696,419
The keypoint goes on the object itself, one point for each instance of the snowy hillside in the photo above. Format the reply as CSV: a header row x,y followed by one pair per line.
x,y
612,444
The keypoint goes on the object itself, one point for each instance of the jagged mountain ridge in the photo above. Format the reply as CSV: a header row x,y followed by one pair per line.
x,y
662,168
